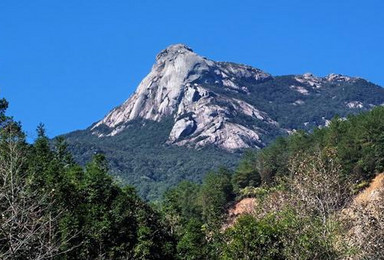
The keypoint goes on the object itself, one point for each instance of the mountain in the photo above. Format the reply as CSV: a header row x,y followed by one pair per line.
x,y
178,86
191,114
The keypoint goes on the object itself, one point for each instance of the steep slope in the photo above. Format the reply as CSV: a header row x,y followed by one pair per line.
x,y
140,156
174,87
191,114
372,192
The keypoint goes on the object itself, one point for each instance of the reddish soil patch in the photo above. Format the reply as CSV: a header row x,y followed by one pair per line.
x,y
372,192
244,206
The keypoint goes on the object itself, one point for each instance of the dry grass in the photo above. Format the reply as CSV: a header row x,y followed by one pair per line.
x,y
364,221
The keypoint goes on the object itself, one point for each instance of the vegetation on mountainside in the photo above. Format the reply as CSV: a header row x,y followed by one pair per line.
x,y
276,97
53,208
302,184
140,155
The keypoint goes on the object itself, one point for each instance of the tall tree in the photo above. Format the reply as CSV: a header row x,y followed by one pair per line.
x,y
27,227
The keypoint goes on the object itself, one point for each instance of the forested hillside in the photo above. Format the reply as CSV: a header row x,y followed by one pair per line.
x,y
51,208
303,186
140,157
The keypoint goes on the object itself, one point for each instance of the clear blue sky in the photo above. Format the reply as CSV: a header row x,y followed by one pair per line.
x,y
67,63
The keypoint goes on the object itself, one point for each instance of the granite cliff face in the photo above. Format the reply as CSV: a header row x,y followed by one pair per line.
x,y
228,105
201,116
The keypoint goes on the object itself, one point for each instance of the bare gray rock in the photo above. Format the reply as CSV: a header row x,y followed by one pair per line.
x,y
175,87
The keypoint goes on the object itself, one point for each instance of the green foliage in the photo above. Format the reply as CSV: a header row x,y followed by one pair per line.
x,y
358,142
252,239
181,204
216,192
192,244
140,156
110,221
196,212
66,211
258,192
292,224
154,241
281,235
246,174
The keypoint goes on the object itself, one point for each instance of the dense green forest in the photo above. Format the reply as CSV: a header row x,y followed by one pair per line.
x,y
304,185
139,156
52,208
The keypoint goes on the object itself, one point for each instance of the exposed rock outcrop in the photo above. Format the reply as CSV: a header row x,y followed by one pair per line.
x,y
175,87
229,105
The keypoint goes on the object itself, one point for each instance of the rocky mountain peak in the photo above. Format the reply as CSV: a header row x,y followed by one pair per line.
x,y
229,105
179,86
333,77
172,51
317,82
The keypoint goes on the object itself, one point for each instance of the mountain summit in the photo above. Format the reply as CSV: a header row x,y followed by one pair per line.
x,y
190,109
176,87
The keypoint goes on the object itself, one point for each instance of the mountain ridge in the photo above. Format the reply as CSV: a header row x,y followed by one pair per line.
x,y
171,89
188,103
176,87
